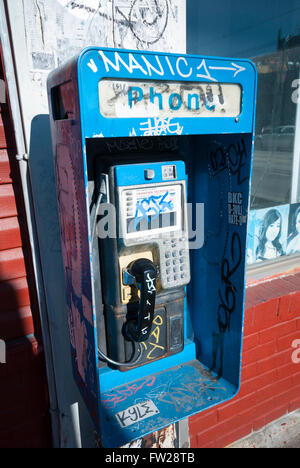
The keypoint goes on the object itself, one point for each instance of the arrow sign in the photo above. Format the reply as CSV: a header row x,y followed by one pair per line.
x,y
236,68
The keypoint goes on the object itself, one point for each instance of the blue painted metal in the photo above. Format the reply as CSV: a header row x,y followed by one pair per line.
x,y
177,393
125,176
218,155
95,65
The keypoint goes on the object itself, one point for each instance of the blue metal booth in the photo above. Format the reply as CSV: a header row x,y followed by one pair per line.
x,y
152,157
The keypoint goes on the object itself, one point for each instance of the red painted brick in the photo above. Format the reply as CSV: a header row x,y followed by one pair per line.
x,y
258,382
285,342
7,202
295,280
15,324
216,435
10,236
22,357
205,438
284,308
259,352
203,421
294,404
193,441
296,377
14,294
5,176
277,331
249,372
266,315
275,414
237,405
259,422
12,264
295,305
277,360
249,325
29,434
287,370
250,341
264,394
230,437
268,406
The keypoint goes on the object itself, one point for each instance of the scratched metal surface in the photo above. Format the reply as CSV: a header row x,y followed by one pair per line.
x,y
177,393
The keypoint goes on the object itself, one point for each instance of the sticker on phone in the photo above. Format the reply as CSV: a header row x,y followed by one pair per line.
x,y
137,413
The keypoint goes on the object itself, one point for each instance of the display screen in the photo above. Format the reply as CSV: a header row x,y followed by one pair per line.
x,y
152,210
130,99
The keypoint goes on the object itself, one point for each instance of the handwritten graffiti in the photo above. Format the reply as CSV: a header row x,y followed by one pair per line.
x,y
154,205
146,19
112,399
186,393
123,145
232,157
227,296
158,127
150,284
157,65
136,413
236,216
154,342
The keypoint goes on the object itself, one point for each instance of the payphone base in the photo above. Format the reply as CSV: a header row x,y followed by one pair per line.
x,y
136,409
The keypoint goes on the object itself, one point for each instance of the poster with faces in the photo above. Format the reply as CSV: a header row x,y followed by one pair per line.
x,y
293,240
268,234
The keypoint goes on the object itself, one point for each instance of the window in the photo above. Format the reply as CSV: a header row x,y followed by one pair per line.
x,y
269,34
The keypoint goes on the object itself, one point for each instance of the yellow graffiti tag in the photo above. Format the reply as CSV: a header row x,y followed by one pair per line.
x,y
155,335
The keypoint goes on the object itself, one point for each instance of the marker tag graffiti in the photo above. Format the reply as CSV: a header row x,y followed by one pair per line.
x,y
137,413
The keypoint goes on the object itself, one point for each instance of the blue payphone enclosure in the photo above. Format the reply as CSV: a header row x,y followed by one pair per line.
x,y
201,110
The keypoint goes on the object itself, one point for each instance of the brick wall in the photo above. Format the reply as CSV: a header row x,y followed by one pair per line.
x,y
24,420
270,383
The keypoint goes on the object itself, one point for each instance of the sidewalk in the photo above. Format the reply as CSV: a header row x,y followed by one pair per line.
x,y
282,433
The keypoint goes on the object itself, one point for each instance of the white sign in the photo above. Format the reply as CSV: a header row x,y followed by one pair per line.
x,y
137,413
127,99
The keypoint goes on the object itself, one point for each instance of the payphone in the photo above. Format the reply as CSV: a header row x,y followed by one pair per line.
x,y
153,157
147,261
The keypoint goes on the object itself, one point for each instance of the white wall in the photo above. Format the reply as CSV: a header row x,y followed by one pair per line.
x,y
46,33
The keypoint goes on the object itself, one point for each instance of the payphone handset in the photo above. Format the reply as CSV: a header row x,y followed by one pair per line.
x,y
150,259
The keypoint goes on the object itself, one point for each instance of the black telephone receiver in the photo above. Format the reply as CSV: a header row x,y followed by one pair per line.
x,y
145,274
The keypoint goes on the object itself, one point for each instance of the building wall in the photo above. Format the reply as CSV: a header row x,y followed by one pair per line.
x,y
23,386
270,385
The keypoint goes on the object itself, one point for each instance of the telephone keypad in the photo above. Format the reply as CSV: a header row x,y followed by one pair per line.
x,y
174,252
